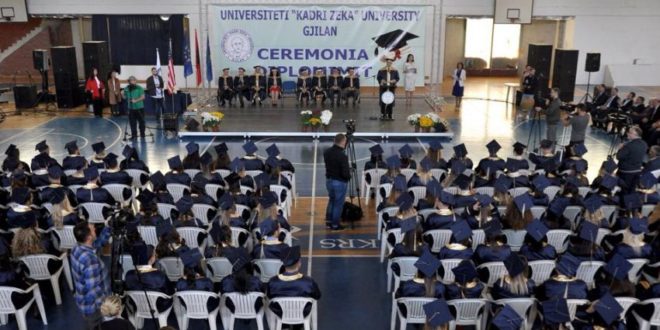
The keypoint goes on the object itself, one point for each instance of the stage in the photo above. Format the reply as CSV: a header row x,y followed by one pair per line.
x,y
285,121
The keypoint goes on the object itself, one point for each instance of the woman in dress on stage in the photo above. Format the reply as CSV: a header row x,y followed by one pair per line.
x,y
410,75
94,88
459,84
274,86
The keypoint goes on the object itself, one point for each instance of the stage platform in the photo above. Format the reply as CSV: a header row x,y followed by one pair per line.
x,y
284,120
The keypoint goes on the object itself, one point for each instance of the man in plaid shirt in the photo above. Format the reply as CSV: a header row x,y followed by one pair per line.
x,y
89,274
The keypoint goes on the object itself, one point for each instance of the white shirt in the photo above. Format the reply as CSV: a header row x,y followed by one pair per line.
x,y
159,91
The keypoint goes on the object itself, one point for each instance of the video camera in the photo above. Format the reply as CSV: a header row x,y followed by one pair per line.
x,y
350,126
120,217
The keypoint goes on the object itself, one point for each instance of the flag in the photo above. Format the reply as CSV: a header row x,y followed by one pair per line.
x,y
157,62
209,66
171,77
198,65
187,60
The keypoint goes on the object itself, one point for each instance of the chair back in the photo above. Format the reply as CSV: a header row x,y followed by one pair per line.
x,y
587,271
515,192
571,213
172,266
196,302
165,210
608,211
647,209
637,265
447,266
541,270
522,306
537,211
417,193
551,191
148,234
293,307
219,268
424,214
559,239
407,268
65,239
126,264
201,212
408,173
144,304
583,191
383,192
496,270
212,190
244,303
254,173
468,311
490,191
515,238
602,232
191,235
374,175
573,304
137,176
478,237
94,211
438,173
235,235
38,265
267,268
414,309
117,191
177,190
192,172
74,188
626,303
441,237
246,190
6,304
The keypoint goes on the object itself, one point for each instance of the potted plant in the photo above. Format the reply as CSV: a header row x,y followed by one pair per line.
x,y
413,120
211,121
305,116
326,116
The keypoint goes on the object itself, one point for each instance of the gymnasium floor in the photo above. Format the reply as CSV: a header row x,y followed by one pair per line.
x,y
344,264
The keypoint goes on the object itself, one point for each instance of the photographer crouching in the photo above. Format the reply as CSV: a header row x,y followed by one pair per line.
x,y
551,108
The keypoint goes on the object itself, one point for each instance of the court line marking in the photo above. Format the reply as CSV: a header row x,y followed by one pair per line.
x,y
25,131
422,144
346,256
58,154
208,146
118,136
313,212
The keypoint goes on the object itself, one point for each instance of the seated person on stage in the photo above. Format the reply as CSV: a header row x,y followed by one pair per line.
x,y
405,154
250,160
270,246
91,192
563,283
285,164
176,173
191,161
320,84
258,85
627,104
424,284
535,246
459,246
292,283
335,83
274,86
641,112
149,278
351,87
242,87
492,163
495,247
225,88
601,112
516,283
467,285
600,97
303,87
69,162
43,160
114,175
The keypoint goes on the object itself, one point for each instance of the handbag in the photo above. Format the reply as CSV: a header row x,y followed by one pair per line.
x,y
351,212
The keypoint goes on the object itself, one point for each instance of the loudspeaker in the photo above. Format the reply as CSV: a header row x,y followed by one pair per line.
x,y
25,97
40,59
171,122
70,98
564,73
540,58
592,64
64,60
96,55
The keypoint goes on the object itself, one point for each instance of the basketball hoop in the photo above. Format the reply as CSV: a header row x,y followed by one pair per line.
x,y
513,20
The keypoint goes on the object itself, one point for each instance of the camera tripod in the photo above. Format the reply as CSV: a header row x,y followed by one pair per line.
x,y
353,184
534,136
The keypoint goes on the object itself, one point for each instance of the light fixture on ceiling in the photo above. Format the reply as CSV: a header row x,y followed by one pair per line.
x,y
165,17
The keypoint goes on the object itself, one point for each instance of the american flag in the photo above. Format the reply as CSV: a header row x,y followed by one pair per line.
x,y
171,77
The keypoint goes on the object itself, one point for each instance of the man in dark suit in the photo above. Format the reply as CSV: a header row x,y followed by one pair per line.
x,y
155,91
630,156
627,103
225,88
335,82
351,86
601,112
241,86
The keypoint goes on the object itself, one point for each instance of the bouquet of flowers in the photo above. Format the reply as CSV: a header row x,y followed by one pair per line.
x,y
305,116
326,116
212,119
425,122
434,117
413,119
315,121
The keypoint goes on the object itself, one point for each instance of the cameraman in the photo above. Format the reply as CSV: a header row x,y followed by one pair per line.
x,y
337,175
552,113
578,123
134,95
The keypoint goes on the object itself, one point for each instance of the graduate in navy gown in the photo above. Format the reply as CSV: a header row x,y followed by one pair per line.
x,y
423,174
194,279
434,153
78,177
393,170
13,160
516,283
491,164
646,189
600,314
113,174
199,196
149,278
43,160
285,164
250,160
495,247
481,212
592,212
553,217
399,187
405,156
270,246
535,246
518,176
466,196
459,246
375,160
632,244
176,173
292,283
546,159
501,188
444,217
209,176
241,280
148,212
540,198
63,213
563,283
159,187
73,157
572,158
12,274
583,246
613,278
467,285
424,284
460,154
518,214
132,161
519,156
411,244
604,190
191,161
99,155
91,192
55,176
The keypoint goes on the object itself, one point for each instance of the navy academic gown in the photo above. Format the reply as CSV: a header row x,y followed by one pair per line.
x,y
16,217
272,249
454,253
155,280
553,288
47,193
438,221
292,285
252,163
500,292
464,201
181,178
491,165
75,180
70,162
453,291
543,162
253,285
133,165
466,161
485,253
120,177
94,195
628,252
548,252
44,161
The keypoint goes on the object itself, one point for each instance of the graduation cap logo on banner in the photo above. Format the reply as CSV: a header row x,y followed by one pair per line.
x,y
393,41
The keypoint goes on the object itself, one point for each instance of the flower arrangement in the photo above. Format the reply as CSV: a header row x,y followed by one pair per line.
x,y
433,116
314,121
211,120
413,119
425,122
305,116
326,116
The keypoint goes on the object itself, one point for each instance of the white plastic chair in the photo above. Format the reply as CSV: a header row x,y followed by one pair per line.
x,y
587,271
117,192
380,226
537,211
602,232
583,191
235,235
559,239
223,173
143,307
637,265
195,307
425,213
148,234
385,246
478,237
94,211
288,238
212,190
172,266
414,311
383,192
267,268
408,173
451,190
70,172
48,207
7,307
219,268
655,318
522,306
418,193
573,305
608,211
177,190
515,238
541,270
240,209
374,175
292,313
438,173
285,204
126,262
243,309
572,212
447,266
190,234
201,212
191,172
165,210
441,237
137,175
65,240
496,270
38,267
74,188
490,191
246,190
515,192
254,173
626,303
647,209
292,180
407,271
551,191
468,312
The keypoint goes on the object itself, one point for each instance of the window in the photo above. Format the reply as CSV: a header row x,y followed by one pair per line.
x,y
486,41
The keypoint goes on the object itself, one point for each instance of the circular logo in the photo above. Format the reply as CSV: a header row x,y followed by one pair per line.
x,y
237,45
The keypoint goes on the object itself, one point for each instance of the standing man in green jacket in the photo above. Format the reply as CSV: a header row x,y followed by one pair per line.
x,y
134,95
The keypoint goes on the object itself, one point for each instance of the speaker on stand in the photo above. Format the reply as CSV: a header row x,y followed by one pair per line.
x,y
540,58
564,73
592,64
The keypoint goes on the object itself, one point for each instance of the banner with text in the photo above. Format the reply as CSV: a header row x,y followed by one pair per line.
x,y
317,37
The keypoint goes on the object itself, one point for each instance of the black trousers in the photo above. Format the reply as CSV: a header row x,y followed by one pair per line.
x,y
334,95
225,95
630,179
242,93
135,117
158,108
97,104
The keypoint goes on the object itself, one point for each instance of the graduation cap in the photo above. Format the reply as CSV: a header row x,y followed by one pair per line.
x,y
609,166
221,148
426,164
632,201
493,147
618,267
71,146
98,147
579,149
206,159
250,148
174,162
91,173
507,318
457,167
128,151
483,199
110,160
239,258
11,150
57,195
268,200
558,205
55,172
400,183
446,198
20,195
406,151
555,311
272,150
199,184
141,253
581,166
502,184
540,182
184,204
236,165
608,308
537,230
546,144
460,150
427,263
408,225
437,313
463,182
191,258
192,147
41,146
608,182
226,202
163,228
262,180
291,256
515,264
461,231
267,227
146,197
568,265
435,145
157,180
638,226
393,40
524,202
492,228
647,180
519,146
588,231
393,161
405,202
272,162
376,150
465,272
593,203
434,188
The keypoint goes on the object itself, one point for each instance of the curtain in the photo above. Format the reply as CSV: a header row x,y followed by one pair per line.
x,y
133,39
